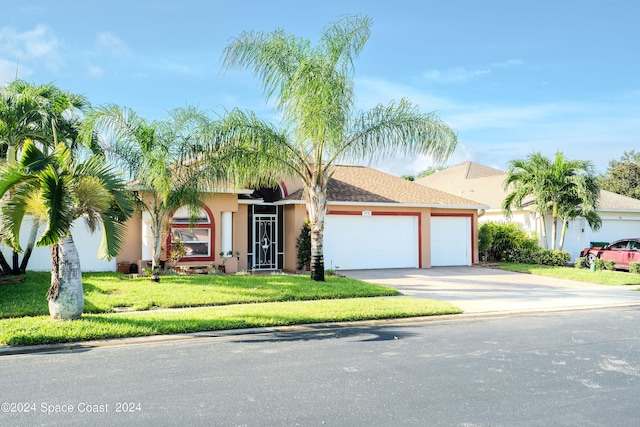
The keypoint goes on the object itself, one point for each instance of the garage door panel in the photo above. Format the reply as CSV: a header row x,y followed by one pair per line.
x,y
378,241
450,241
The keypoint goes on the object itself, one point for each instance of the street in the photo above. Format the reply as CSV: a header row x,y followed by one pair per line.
x,y
564,368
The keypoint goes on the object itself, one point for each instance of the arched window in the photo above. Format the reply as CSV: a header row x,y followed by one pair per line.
x,y
197,238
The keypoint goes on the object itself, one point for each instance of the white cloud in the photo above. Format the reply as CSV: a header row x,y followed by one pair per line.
x,y
508,63
113,45
461,74
95,71
454,75
39,44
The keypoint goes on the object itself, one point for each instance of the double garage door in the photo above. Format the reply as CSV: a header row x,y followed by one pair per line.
x,y
353,242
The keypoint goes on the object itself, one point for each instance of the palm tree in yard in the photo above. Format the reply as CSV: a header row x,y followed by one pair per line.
x,y
61,190
564,188
162,160
46,115
313,90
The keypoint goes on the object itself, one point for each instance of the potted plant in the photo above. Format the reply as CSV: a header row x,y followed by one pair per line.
x,y
225,256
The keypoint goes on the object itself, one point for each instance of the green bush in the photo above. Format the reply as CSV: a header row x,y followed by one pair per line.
x,y
610,265
634,267
505,241
551,257
581,262
599,264
303,246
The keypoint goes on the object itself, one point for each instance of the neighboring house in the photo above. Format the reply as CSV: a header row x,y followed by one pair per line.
x,y
374,220
87,244
620,214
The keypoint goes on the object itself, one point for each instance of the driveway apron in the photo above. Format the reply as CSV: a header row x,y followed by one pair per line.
x,y
486,290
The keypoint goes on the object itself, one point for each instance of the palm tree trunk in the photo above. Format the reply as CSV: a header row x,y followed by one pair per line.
x,y
30,245
554,226
6,268
563,233
66,299
156,233
317,209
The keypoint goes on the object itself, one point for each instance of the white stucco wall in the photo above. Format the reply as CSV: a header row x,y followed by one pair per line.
x,y
86,243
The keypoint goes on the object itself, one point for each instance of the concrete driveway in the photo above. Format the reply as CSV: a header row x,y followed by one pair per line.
x,y
487,290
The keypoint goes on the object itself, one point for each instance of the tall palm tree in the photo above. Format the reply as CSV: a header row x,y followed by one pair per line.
x,y
46,115
161,158
63,190
313,90
558,188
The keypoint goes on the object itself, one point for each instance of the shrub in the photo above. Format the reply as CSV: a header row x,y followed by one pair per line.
x,y
581,262
506,241
634,267
599,264
610,265
551,257
303,246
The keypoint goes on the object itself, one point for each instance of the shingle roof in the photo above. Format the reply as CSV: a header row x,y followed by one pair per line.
x,y
360,184
470,180
485,185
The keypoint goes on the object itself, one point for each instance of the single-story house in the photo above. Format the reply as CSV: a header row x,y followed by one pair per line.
x,y
620,214
374,220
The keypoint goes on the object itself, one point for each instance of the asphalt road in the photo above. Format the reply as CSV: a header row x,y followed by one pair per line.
x,y
577,368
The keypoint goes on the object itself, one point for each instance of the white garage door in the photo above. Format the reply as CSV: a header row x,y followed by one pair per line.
x,y
353,242
450,241
613,229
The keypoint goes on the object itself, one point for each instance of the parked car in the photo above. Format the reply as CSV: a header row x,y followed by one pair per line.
x,y
623,252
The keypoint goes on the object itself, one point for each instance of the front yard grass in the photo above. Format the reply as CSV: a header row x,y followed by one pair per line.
x,y
603,277
181,304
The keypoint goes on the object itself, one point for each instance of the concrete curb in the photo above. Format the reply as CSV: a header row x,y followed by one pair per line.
x,y
6,350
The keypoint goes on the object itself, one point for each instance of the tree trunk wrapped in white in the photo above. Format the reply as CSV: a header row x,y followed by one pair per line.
x,y
66,298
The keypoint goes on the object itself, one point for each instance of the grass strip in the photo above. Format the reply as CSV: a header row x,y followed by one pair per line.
x,y
603,277
41,330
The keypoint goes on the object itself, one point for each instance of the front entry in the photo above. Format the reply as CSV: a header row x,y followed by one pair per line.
x,y
266,237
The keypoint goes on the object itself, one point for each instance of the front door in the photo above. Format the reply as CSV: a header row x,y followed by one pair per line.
x,y
265,241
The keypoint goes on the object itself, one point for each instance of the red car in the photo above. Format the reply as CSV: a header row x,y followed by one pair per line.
x,y
622,252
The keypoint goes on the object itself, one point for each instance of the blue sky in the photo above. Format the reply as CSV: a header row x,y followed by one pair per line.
x,y
511,77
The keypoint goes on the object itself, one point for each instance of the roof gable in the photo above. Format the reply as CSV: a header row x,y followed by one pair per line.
x,y
486,185
361,184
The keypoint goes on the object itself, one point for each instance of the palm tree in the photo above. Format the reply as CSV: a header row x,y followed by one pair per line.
x,y
63,190
580,202
44,114
313,90
161,158
559,188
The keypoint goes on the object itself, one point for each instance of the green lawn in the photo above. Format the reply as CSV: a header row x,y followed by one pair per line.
x,y
222,302
611,278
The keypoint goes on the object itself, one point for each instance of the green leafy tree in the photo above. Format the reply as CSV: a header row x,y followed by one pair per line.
x,y
163,159
313,90
61,190
623,178
556,187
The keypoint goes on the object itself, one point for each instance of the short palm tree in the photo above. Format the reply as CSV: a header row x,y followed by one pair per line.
x,y
61,190
562,188
161,158
313,89
44,114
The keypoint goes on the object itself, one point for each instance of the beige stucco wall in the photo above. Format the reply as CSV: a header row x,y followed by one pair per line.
x,y
132,247
217,203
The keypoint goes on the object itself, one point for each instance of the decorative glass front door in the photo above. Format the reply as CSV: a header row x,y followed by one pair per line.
x,y
265,242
